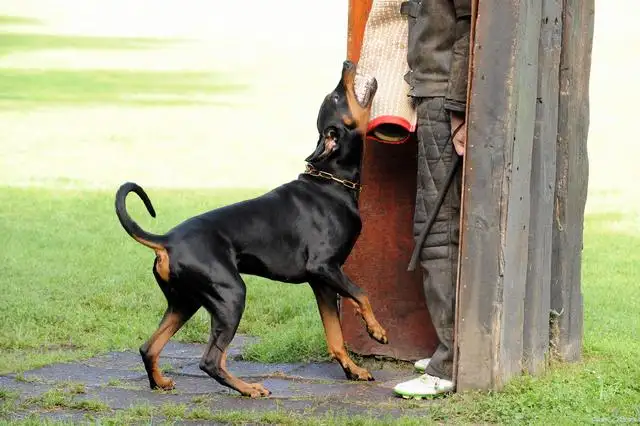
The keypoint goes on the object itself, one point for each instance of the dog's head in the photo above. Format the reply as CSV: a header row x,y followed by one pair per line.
x,y
343,118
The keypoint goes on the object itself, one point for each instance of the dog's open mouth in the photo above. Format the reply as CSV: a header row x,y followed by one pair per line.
x,y
365,87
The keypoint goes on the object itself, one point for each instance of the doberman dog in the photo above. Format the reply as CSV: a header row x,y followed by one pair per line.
x,y
302,231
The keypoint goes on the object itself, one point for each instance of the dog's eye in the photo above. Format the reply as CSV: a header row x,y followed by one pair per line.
x,y
335,98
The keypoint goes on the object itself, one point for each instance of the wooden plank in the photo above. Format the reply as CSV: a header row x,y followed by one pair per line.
x,y
572,175
472,38
378,262
496,201
543,172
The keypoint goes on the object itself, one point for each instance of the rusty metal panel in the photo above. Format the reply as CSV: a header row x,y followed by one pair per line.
x,y
543,172
496,203
572,174
378,262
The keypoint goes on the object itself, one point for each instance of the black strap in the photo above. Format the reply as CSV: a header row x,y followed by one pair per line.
x,y
436,209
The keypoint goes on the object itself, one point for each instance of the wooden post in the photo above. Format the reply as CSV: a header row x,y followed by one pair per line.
x,y
524,193
496,202
543,172
571,177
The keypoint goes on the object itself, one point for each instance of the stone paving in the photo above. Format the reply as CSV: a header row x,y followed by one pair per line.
x,y
118,380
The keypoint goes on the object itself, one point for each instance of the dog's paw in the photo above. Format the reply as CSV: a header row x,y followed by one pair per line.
x,y
359,374
263,391
256,390
165,384
378,334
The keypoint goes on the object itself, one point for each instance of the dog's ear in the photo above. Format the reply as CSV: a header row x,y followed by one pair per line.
x,y
327,144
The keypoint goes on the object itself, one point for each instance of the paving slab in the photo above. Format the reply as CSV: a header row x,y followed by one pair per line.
x,y
118,380
81,373
243,369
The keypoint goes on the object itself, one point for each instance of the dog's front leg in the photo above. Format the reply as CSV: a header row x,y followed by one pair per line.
x,y
327,300
335,278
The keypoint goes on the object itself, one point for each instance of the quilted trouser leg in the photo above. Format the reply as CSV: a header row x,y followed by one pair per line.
x,y
439,254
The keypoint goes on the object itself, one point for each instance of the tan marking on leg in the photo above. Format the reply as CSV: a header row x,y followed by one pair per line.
x,y
170,324
162,257
162,264
253,390
335,341
375,330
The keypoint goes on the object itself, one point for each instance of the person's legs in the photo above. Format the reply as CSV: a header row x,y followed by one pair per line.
x,y
439,254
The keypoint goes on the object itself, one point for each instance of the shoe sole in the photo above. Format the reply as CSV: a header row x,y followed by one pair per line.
x,y
420,397
413,397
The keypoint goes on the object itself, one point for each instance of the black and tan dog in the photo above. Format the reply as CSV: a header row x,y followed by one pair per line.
x,y
300,232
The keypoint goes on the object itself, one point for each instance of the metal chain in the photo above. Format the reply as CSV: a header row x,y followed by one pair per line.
x,y
310,170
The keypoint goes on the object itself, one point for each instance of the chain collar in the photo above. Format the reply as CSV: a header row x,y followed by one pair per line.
x,y
310,170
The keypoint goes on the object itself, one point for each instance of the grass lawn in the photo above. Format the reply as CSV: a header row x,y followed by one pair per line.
x,y
44,86
75,284
28,88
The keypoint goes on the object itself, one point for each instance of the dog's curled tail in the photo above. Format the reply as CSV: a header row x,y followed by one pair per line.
x,y
156,242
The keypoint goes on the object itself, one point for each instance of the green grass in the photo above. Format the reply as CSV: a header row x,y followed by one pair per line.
x,y
8,404
34,419
176,412
41,87
18,20
74,284
27,42
20,88
58,398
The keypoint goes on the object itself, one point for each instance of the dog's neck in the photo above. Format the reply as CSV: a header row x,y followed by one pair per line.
x,y
345,165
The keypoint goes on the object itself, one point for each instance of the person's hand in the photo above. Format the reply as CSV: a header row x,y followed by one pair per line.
x,y
460,138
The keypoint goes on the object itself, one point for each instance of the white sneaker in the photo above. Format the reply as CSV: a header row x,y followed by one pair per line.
x,y
423,387
422,364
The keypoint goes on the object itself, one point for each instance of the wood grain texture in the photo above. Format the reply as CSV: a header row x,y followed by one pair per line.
x,y
472,38
496,204
572,174
543,172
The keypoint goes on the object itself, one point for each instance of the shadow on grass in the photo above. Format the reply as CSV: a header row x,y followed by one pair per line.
x,y
47,87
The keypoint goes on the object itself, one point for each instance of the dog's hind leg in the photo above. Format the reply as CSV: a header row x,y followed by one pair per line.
x,y
338,280
224,298
327,300
177,314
